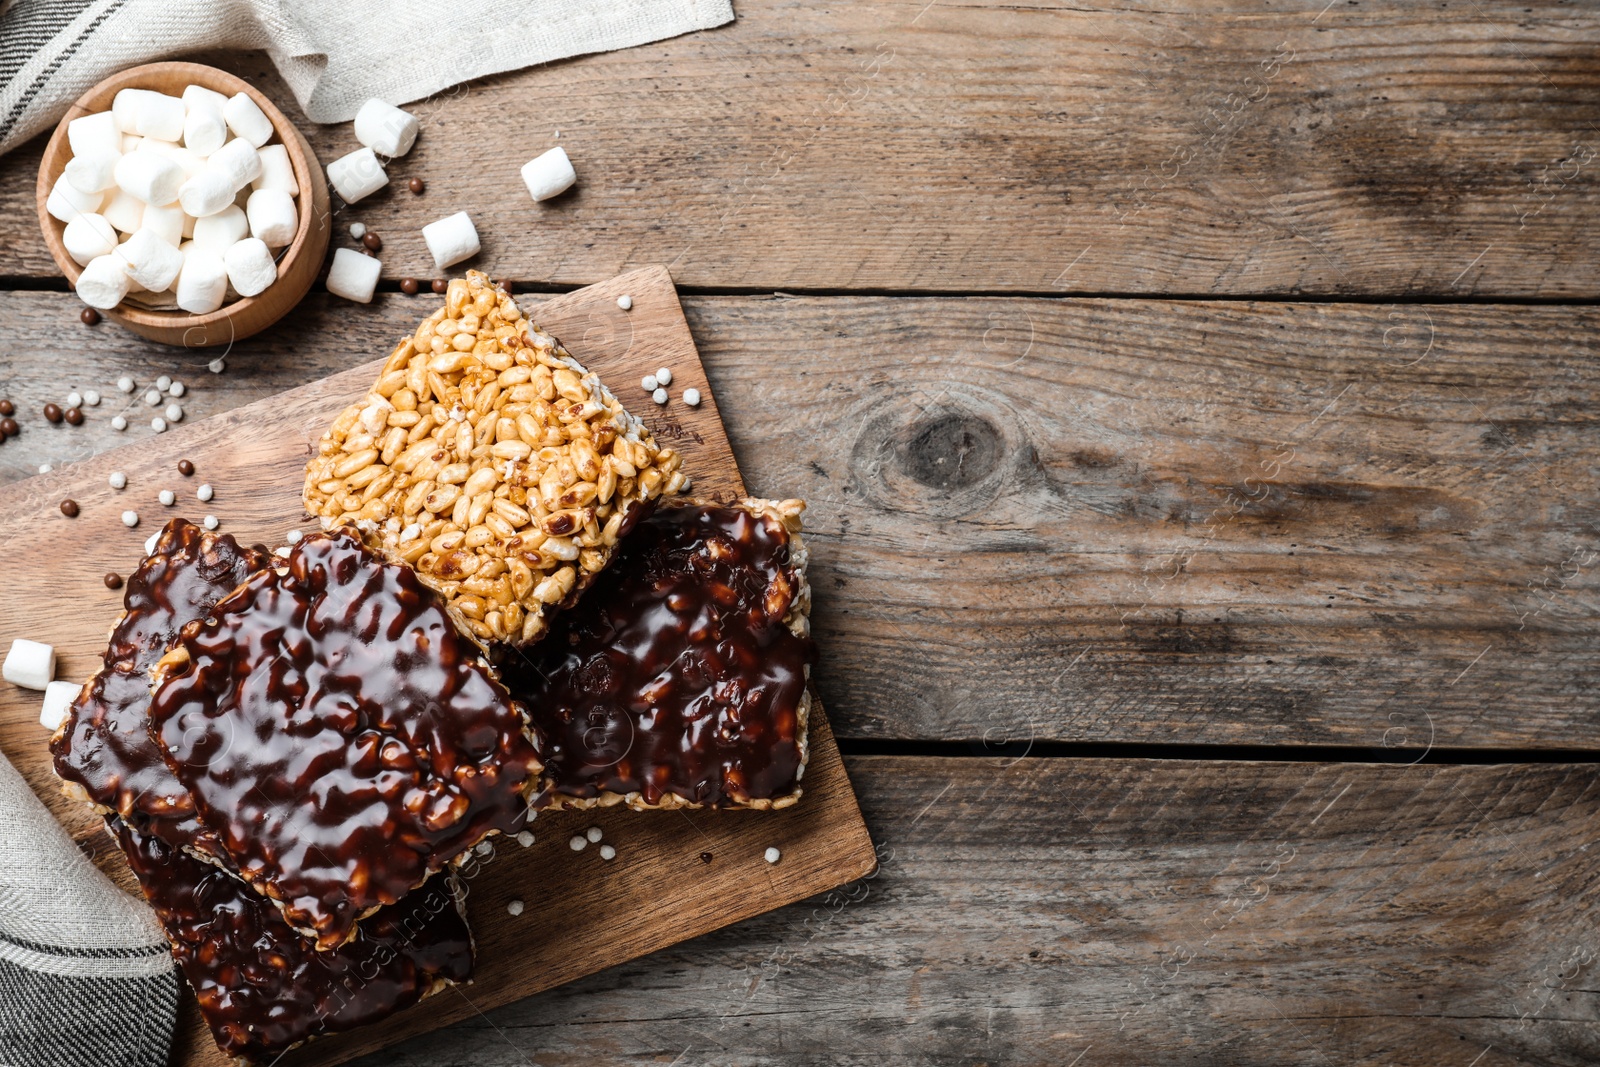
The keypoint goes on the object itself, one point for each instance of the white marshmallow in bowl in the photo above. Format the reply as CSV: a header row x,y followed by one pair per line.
x,y
89,236
166,220
207,193
247,120
549,175
149,176
250,266
272,216
277,172
357,175
191,162
239,160
149,114
124,212
94,134
204,128
92,172
451,239
104,282
151,260
198,96
353,275
66,201
202,283
385,128
223,230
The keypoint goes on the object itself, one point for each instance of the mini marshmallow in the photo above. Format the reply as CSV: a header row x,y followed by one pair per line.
x,y
58,698
247,120
198,96
150,259
167,221
125,109
131,142
549,175
204,129
89,237
385,128
124,212
104,282
250,268
239,160
149,176
207,193
92,172
202,283
353,275
272,216
221,231
451,239
95,135
66,202
160,116
30,664
357,175
276,170
191,162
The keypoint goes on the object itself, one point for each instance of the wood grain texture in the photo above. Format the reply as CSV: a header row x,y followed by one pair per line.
x,y
1115,521
1133,912
583,914
1221,148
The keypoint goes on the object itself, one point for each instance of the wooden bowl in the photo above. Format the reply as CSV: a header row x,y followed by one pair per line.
x,y
298,264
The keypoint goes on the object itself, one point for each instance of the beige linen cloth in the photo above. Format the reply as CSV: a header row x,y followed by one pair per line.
x,y
334,54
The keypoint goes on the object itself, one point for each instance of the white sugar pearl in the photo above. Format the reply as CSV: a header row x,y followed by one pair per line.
x,y
58,698
525,838
772,855
293,537
130,519
549,175
152,398
30,664
211,522
691,397
158,424
664,375
358,230
150,177
205,492
282,552
272,216
175,389
150,259
118,480
357,175
659,396
95,133
607,852
103,283
125,383
164,382
217,366
578,843
66,201
385,128
74,400
277,172
649,383
484,847
592,833
245,118
353,275
91,398
202,283
174,413
451,239
167,498
87,237
625,302
514,907
118,422
45,468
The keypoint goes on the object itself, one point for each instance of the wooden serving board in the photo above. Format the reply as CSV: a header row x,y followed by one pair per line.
x,y
676,874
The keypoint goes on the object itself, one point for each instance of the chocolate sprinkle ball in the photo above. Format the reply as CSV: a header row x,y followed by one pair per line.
x,y
9,427
7,408
409,286
373,241
441,285
69,508
113,580
417,185
74,417
89,317
52,412
185,468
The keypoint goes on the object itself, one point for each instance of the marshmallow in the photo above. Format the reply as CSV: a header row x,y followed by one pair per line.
x,y
92,172
188,224
221,231
66,201
207,193
149,114
272,216
104,282
276,170
130,142
94,135
198,96
451,240
204,128
89,237
237,159
357,175
250,267
203,282
247,120
386,129
124,107
549,175
353,275
150,176
191,163
124,212
166,221
151,260
30,664
58,698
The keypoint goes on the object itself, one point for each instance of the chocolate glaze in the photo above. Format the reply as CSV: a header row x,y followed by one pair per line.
x,y
338,735
261,986
105,746
675,673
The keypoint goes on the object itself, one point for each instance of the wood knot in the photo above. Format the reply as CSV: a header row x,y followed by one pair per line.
x,y
949,451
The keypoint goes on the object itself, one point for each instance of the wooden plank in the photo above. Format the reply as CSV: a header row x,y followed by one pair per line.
x,y
584,914
1228,149
1100,520
1134,912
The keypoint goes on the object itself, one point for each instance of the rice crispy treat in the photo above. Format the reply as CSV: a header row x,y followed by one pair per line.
x,y
262,988
338,735
490,460
680,680
104,754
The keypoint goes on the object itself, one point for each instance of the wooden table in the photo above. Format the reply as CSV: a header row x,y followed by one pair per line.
x,y
1200,417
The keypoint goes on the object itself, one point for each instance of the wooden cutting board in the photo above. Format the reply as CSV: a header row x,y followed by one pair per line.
x,y
676,874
